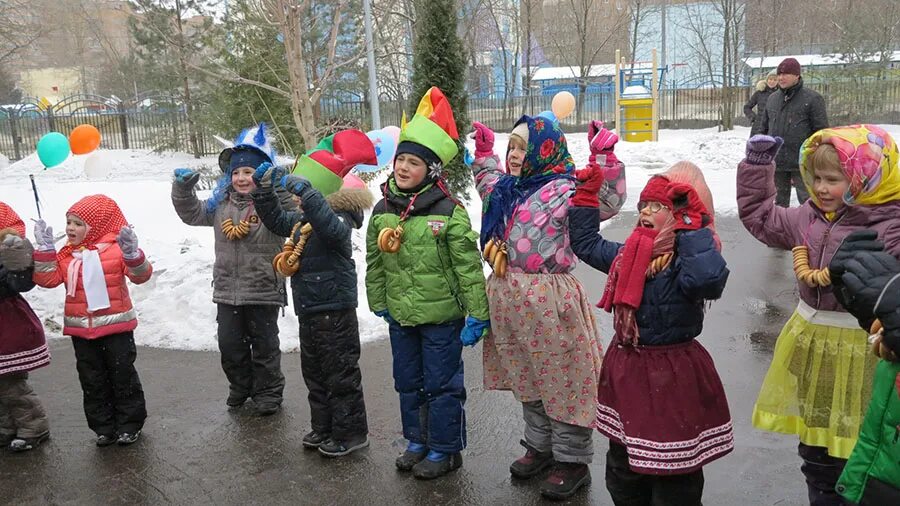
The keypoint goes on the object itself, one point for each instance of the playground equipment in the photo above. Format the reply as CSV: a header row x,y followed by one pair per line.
x,y
637,109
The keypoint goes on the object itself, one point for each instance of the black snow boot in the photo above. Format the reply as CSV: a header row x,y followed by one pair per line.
x,y
127,438
23,444
413,455
334,448
106,440
313,439
531,464
431,468
565,479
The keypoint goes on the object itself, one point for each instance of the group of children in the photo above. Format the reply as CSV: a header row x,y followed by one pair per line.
x,y
655,393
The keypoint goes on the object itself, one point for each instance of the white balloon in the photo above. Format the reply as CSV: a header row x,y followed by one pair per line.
x,y
97,165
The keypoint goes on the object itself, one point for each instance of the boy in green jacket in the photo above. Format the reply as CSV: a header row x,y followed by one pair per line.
x,y
424,277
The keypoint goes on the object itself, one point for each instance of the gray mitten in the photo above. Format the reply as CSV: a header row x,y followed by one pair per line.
x,y
16,253
128,243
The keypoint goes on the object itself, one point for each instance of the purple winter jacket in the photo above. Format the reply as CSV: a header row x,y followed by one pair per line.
x,y
806,225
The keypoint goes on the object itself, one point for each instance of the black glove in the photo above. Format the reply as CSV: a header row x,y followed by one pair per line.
x,y
865,276
861,240
887,310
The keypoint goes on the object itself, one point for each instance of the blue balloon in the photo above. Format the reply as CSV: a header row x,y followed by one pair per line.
x,y
385,148
53,149
549,115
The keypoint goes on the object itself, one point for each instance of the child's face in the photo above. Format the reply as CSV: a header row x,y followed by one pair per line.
x,y
75,229
242,180
829,185
653,214
515,155
409,171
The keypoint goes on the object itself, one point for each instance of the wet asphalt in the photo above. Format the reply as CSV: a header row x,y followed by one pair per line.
x,y
195,451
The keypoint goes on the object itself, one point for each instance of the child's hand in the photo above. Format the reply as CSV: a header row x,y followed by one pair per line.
x,y
386,316
587,193
688,209
761,149
474,331
484,140
186,177
15,253
295,184
128,243
260,172
43,236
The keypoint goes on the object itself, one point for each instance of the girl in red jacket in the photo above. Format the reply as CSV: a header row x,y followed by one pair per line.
x,y
101,252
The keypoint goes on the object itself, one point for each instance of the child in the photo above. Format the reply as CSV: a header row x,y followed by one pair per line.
x,y
319,261
424,276
246,289
660,399
23,421
820,379
102,250
867,283
544,345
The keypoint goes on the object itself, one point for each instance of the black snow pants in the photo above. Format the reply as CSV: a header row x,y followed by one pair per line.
x,y
251,353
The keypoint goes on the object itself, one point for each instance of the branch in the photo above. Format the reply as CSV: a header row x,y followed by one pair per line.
x,y
235,78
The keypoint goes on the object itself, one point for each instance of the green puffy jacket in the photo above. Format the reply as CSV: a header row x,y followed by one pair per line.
x,y
436,276
876,455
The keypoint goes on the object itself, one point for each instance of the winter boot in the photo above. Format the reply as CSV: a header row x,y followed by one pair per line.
x,y
5,439
313,439
565,479
334,448
267,408
106,440
414,454
236,400
127,438
23,444
437,464
531,464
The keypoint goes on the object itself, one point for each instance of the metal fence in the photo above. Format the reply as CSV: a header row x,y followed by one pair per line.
x,y
162,124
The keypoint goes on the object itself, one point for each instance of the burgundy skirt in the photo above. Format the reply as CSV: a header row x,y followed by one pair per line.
x,y
22,343
666,405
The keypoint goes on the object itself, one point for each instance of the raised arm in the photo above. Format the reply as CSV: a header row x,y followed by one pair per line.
x,y
189,208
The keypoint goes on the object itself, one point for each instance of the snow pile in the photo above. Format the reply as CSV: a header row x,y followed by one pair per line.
x,y
175,307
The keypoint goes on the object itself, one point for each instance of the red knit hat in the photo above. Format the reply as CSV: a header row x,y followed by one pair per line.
x,y
789,66
656,190
9,219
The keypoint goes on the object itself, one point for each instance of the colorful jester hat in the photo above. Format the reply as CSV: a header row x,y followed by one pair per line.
x,y
868,157
431,134
334,157
251,147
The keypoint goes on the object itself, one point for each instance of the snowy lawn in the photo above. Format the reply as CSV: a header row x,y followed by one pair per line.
x,y
175,307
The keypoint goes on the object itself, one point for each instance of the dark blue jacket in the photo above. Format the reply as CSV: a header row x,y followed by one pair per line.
x,y
672,306
326,280
14,282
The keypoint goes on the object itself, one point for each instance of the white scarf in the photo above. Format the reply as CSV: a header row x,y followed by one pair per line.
x,y
87,263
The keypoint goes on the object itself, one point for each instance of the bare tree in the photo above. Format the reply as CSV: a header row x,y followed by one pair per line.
x,y
732,12
19,28
638,12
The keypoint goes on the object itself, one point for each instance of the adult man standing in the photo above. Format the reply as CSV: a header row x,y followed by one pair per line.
x,y
793,113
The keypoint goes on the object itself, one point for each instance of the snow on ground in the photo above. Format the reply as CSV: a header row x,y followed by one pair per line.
x,y
175,307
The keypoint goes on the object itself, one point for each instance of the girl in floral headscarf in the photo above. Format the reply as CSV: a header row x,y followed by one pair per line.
x,y
544,344
820,379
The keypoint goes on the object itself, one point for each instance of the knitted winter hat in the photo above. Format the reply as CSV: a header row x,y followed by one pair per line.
x,y
656,190
252,145
431,134
772,73
334,157
521,131
9,219
789,66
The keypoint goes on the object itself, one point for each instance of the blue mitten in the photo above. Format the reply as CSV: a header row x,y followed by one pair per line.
x,y
474,331
187,177
260,172
294,184
386,315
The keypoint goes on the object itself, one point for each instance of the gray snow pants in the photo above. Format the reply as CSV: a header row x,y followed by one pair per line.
x,y
21,412
569,443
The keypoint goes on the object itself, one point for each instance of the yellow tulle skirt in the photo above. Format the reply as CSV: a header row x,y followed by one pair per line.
x,y
820,381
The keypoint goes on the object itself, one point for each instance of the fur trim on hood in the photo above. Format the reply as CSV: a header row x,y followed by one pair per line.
x,y
761,85
8,231
353,200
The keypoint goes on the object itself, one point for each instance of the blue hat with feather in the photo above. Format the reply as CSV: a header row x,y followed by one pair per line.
x,y
252,147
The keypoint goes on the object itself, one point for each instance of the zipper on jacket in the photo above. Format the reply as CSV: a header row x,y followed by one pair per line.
x,y
822,255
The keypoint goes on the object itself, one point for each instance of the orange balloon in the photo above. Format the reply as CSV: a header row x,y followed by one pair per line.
x,y
563,104
84,139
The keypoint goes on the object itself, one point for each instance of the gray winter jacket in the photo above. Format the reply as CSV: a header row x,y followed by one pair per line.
x,y
243,272
793,114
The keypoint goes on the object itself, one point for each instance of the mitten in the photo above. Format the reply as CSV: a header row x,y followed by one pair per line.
x,y
602,142
887,309
295,184
386,315
186,177
43,236
688,209
16,253
128,243
591,181
861,240
761,149
260,172
484,141
474,331
865,277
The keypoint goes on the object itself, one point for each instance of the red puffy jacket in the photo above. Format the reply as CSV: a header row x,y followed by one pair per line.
x,y
120,316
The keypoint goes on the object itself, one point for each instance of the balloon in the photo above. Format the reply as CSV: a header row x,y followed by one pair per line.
x,y
53,149
385,148
84,139
97,166
547,114
394,131
353,182
563,104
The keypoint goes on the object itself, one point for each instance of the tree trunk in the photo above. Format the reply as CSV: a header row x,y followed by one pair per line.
x,y
186,94
301,106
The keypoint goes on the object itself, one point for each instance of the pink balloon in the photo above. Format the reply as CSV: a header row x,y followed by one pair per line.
x,y
352,181
394,132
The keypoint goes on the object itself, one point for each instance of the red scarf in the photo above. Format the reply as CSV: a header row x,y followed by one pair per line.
x,y
625,284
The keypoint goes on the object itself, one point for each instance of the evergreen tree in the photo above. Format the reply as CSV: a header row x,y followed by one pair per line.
x,y
439,59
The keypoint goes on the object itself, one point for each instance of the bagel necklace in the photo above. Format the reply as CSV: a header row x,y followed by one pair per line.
x,y
812,277
287,263
389,238
236,232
